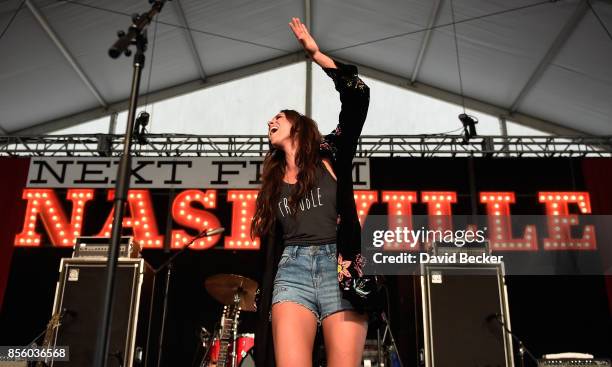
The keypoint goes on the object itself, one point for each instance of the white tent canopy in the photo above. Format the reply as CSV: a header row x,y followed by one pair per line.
x,y
542,64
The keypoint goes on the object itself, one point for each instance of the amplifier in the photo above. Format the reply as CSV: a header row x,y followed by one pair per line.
x,y
459,306
97,247
571,362
79,296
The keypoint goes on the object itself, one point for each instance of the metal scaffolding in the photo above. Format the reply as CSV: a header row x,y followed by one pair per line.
x,y
180,145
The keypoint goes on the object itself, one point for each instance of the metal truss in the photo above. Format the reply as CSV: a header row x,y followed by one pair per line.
x,y
176,145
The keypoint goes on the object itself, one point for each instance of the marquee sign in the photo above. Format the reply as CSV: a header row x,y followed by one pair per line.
x,y
159,172
195,210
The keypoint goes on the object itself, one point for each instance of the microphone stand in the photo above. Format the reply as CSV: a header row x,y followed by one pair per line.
x,y
136,35
168,264
522,348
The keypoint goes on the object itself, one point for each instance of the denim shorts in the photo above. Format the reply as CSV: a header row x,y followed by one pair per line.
x,y
308,275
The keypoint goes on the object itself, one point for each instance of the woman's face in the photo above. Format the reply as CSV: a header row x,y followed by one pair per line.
x,y
279,129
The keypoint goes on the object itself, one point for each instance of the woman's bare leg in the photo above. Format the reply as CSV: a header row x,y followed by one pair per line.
x,y
293,328
345,334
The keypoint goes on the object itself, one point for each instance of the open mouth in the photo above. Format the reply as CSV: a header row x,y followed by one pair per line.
x,y
273,129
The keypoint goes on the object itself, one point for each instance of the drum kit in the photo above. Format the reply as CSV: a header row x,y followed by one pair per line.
x,y
225,347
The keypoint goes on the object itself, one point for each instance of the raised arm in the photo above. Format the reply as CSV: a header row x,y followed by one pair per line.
x,y
354,97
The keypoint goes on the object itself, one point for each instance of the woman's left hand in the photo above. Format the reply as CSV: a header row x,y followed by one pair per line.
x,y
303,36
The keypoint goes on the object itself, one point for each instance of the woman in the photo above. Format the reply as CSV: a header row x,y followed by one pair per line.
x,y
306,217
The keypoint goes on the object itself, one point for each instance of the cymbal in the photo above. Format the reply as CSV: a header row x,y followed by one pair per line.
x,y
223,288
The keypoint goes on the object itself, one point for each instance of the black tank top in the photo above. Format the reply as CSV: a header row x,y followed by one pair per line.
x,y
316,217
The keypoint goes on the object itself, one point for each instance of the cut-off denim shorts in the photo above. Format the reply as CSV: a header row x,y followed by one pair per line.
x,y
308,275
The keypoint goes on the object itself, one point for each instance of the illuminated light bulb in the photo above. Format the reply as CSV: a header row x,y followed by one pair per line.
x,y
491,197
148,234
363,196
565,197
29,233
394,197
79,210
146,225
232,243
106,234
371,197
65,240
51,210
386,197
182,212
205,223
209,239
554,205
61,233
54,217
244,204
434,197
555,213
32,217
78,217
28,241
360,212
178,235
58,225
243,211
507,198
31,225
188,197
129,222
141,204
398,205
241,196
29,194
497,213
410,197
131,195
496,205
205,199
48,202
249,196
437,205
449,197
198,219
426,197
184,240
35,202
242,235
76,233
142,211
366,204
239,243
550,197
483,198
438,212
499,198
580,197
243,227
136,223
182,204
558,197
144,219
37,194
189,216
355,196
157,242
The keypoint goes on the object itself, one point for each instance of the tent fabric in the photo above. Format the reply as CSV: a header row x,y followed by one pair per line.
x,y
499,49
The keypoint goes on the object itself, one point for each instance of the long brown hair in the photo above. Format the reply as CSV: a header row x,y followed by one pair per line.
x,y
305,133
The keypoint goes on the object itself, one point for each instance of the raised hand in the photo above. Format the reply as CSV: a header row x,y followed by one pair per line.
x,y
308,43
303,36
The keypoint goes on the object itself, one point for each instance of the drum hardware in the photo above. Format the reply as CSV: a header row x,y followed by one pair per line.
x,y
236,293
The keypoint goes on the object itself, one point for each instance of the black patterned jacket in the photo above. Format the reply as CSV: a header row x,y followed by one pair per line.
x,y
339,146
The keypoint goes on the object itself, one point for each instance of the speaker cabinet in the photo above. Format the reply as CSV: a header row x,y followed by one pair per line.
x,y
460,305
80,293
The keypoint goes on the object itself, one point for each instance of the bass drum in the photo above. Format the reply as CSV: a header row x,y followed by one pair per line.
x,y
245,350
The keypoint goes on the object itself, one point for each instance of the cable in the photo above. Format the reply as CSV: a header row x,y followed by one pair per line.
x,y
146,101
457,53
11,20
441,25
179,26
603,25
